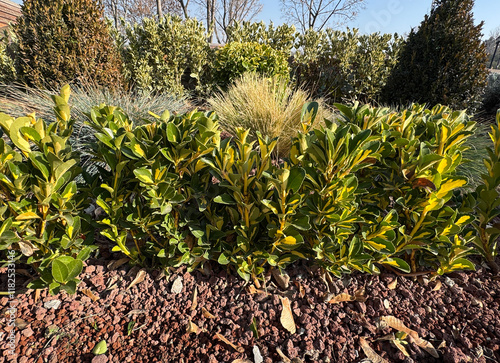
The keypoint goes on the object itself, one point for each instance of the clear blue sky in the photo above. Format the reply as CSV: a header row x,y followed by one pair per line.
x,y
392,16
395,16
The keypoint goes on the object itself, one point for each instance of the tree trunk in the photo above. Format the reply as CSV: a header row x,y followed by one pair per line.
x,y
158,7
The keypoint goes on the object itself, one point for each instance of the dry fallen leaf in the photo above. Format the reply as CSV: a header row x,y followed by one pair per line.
x,y
287,316
281,278
442,345
221,337
252,290
241,361
194,301
90,294
113,265
393,284
207,314
192,327
283,357
397,324
342,298
177,286
141,275
370,353
359,295
437,286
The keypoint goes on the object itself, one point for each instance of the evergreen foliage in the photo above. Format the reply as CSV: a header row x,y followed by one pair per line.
x,y
61,41
443,61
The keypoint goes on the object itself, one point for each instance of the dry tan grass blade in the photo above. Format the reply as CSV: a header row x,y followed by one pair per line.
x,y
235,347
90,294
194,300
437,286
359,295
115,264
370,353
207,314
141,275
397,324
286,318
283,356
192,327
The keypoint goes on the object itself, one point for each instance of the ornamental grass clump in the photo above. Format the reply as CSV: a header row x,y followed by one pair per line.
x,y
266,105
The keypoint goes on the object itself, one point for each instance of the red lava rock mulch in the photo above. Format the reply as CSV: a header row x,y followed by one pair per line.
x,y
148,322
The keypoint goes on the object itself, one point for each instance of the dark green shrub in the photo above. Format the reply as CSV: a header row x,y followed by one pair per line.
x,y
340,65
62,41
443,61
170,56
280,38
234,59
487,204
7,65
491,97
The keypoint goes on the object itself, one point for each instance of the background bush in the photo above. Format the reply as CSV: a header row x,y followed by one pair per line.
x,y
281,37
339,65
170,55
491,97
443,61
7,49
63,41
235,59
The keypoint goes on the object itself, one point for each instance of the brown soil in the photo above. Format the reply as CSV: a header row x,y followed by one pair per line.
x,y
460,318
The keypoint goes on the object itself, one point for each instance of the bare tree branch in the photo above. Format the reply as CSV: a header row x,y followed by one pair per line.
x,y
318,14
220,14
134,11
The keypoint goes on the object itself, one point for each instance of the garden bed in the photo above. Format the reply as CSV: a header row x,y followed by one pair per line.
x,y
148,322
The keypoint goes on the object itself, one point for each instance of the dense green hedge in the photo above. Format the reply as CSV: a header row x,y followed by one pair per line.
x,y
169,56
374,188
235,59
344,64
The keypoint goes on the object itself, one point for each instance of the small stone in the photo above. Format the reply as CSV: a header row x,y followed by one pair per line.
x,y
89,269
52,304
449,281
387,304
27,332
177,286
101,358
257,357
281,278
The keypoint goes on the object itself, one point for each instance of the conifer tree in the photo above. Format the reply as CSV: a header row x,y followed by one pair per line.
x,y
443,61
64,41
